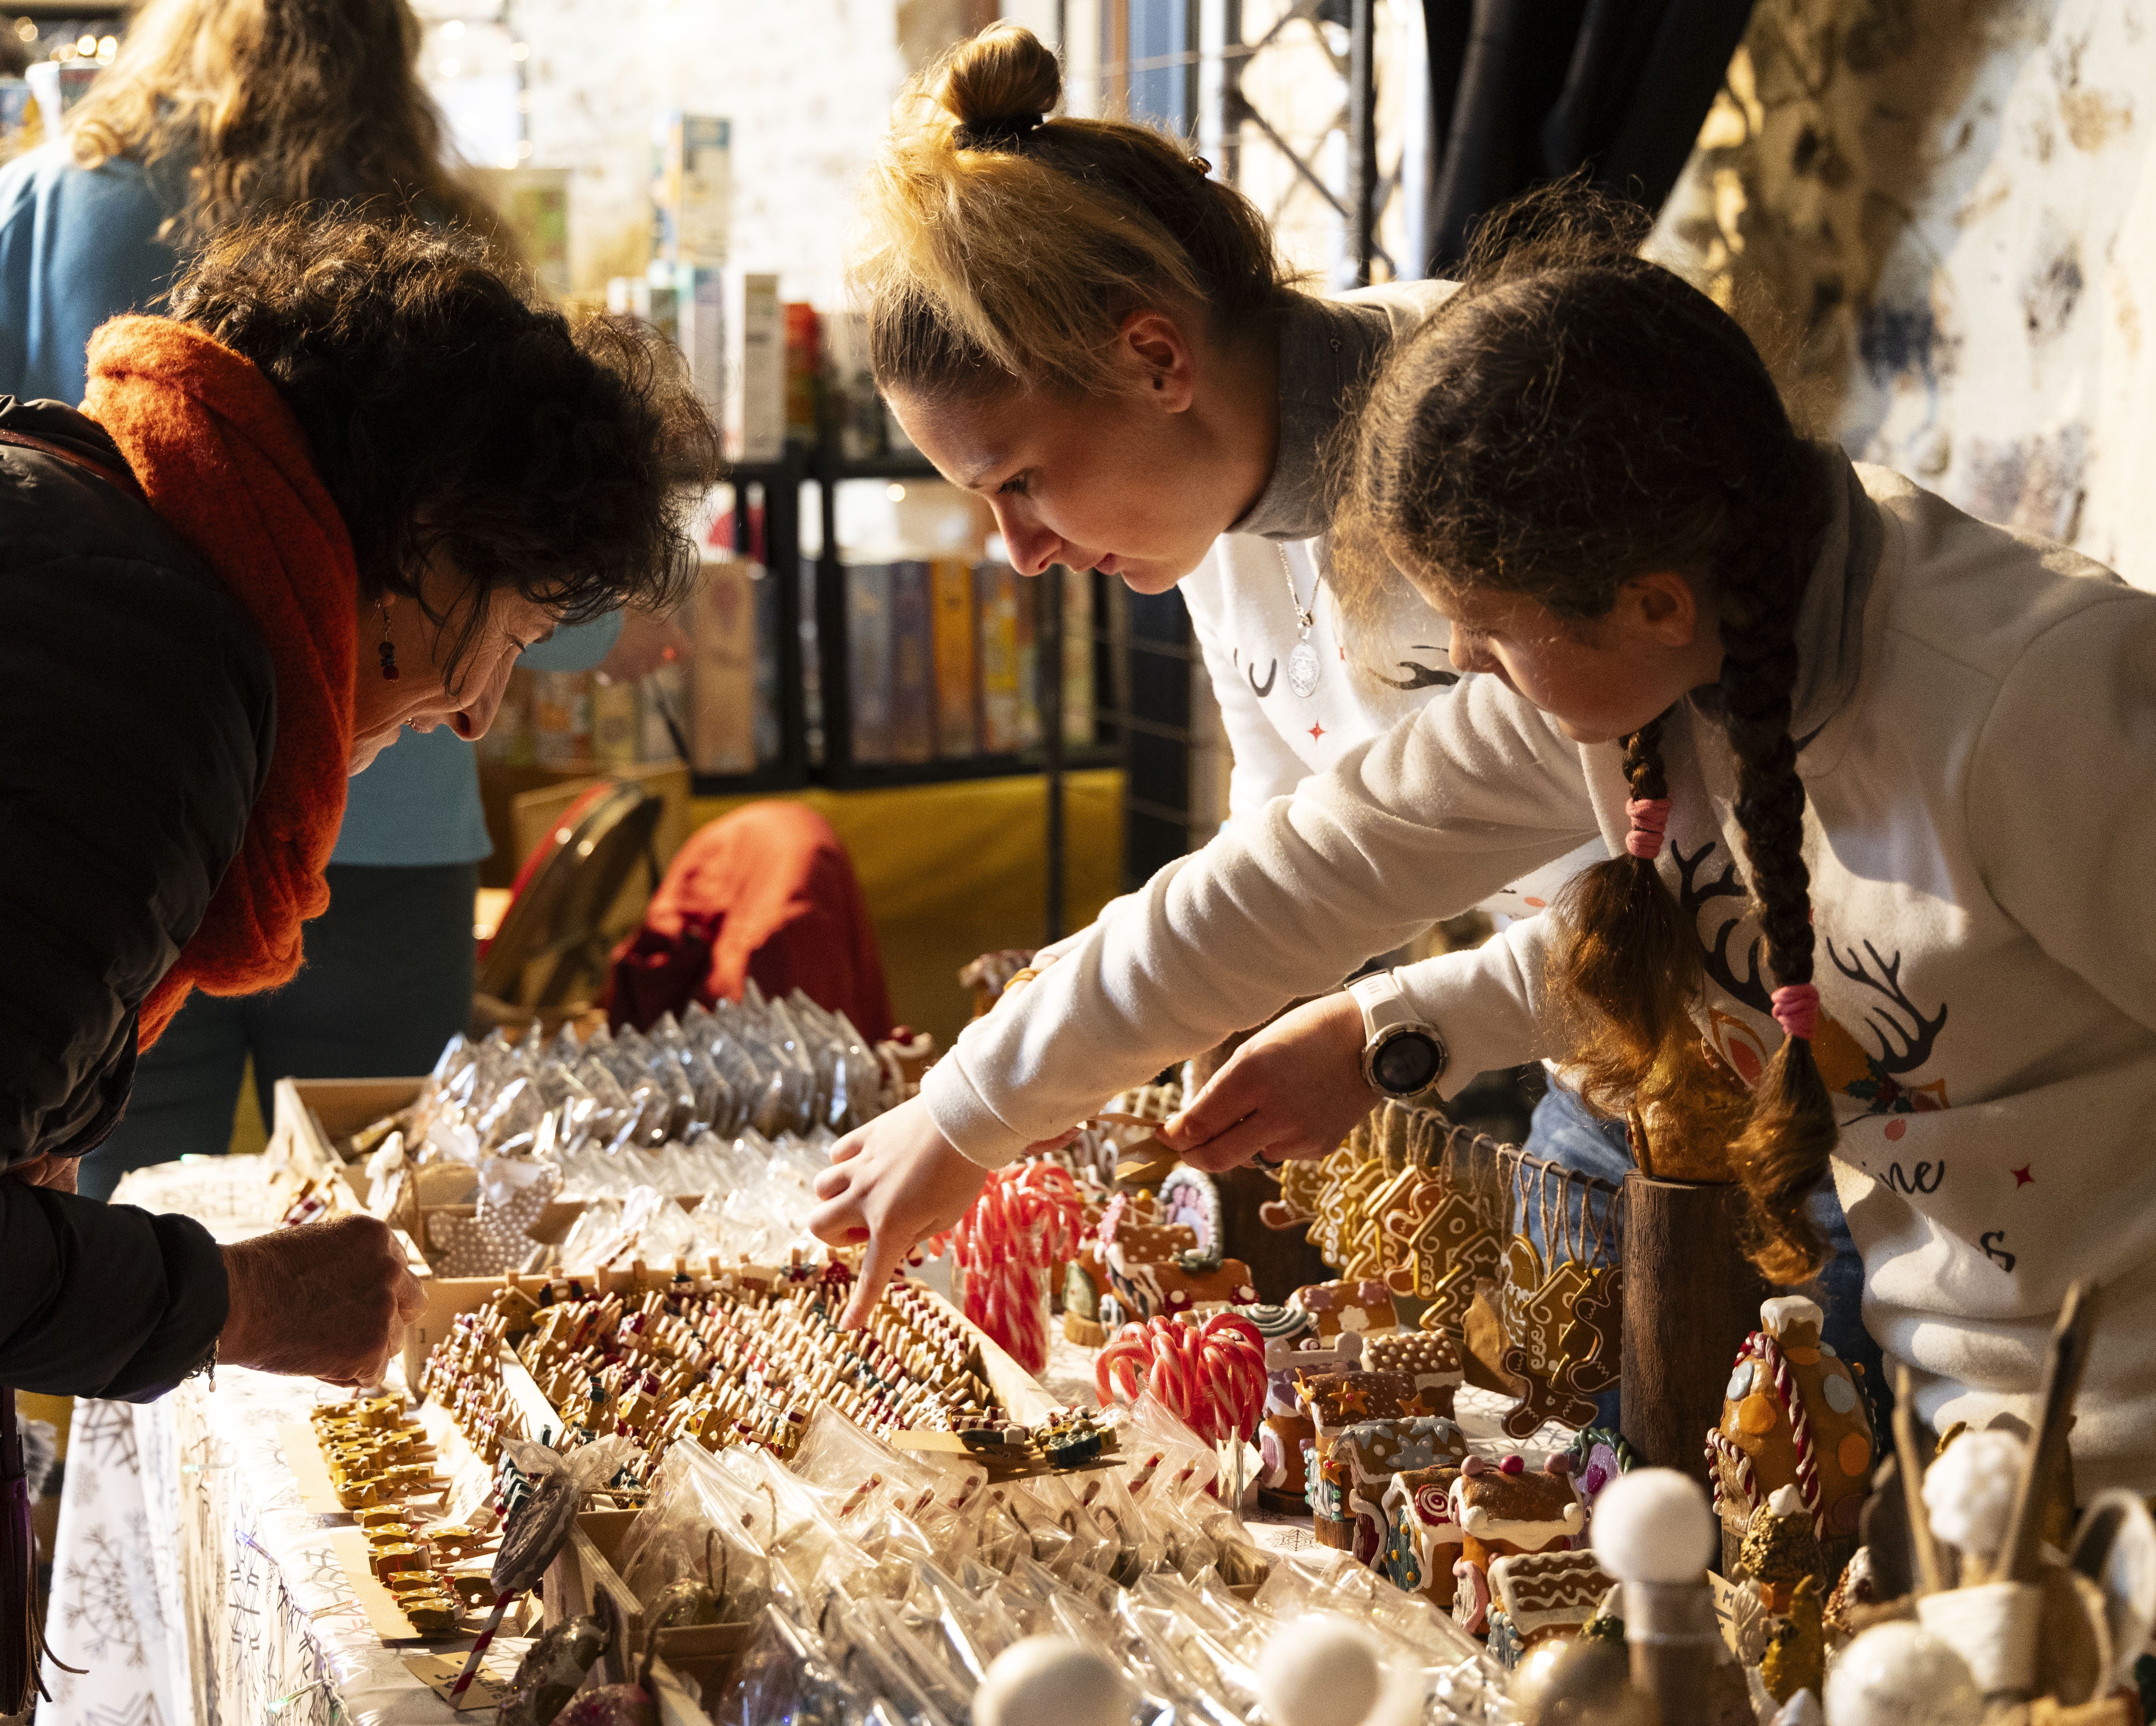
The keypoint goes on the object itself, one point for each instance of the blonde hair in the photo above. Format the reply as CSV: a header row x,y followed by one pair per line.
x,y
1000,246
273,103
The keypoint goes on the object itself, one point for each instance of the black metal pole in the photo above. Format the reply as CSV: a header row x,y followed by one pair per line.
x,y
1048,671
1362,137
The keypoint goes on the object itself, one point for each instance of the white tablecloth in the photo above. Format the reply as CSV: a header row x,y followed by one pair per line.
x,y
187,1581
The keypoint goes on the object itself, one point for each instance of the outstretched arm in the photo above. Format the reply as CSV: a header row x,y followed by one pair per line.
x,y
1415,826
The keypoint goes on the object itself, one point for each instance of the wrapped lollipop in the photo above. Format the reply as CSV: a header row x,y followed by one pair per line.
x,y
1212,1376
1026,1220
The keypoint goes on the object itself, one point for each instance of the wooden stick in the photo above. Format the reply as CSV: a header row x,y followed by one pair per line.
x,y
2017,1560
1929,1574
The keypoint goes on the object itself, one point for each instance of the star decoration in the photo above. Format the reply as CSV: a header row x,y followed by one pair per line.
x,y
2022,1178
1315,733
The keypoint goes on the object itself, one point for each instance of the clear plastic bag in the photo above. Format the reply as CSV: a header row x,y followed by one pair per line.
x,y
698,1526
1164,1457
785,1678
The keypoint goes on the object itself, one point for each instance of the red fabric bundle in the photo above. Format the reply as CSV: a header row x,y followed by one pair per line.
x,y
770,892
224,462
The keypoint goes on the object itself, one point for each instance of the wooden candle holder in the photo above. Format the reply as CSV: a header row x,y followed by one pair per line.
x,y
1690,1299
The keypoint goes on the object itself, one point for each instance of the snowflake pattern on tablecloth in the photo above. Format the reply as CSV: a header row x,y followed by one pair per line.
x,y
107,1607
189,1498
142,1710
106,1432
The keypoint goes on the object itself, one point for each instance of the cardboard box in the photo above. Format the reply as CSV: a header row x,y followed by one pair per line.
x,y
310,1115
584,1582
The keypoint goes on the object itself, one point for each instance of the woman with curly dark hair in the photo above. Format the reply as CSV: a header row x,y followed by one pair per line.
x,y
335,494
218,112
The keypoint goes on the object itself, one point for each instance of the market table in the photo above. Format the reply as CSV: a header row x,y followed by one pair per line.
x,y
187,1583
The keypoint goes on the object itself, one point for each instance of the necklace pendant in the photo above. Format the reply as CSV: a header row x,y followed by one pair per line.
x,y
1302,669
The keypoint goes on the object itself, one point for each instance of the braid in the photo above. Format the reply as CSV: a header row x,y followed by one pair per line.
x,y
1630,969
1783,1153
1573,418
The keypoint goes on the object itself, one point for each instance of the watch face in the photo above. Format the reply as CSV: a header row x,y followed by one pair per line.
x,y
1407,1062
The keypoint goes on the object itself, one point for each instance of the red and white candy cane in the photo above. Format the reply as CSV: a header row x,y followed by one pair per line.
x,y
479,1647
1026,1220
1211,1377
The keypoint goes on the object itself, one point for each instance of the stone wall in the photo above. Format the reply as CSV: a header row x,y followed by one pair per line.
x,y
1939,218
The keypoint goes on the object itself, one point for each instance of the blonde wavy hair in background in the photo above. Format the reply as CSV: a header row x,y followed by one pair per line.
x,y
997,245
271,103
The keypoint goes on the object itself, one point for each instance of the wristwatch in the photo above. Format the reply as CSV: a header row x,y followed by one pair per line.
x,y
1402,1056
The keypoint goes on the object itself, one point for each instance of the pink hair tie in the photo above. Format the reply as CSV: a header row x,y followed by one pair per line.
x,y
1649,816
1796,1010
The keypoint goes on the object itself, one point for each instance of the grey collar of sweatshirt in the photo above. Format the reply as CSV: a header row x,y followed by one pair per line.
x,y
1329,348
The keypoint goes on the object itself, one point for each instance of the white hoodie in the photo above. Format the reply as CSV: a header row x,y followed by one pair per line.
x,y
1977,712
1244,620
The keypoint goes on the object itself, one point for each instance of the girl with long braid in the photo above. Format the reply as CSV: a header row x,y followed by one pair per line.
x,y
1879,784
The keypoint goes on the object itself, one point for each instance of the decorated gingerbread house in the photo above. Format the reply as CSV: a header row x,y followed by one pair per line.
x,y
1505,1508
1133,1268
1349,1510
1429,1359
1333,1402
1423,1538
1536,1595
1365,1307
1793,1416
1286,1430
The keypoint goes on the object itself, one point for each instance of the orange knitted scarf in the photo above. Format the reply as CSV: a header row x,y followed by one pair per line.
x,y
225,465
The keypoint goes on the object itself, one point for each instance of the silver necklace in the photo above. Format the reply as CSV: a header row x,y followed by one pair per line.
x,y
1303,664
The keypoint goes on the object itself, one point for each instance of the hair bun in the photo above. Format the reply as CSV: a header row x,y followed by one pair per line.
x,y
996,80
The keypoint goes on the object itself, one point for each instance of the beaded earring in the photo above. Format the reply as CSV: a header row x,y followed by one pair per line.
x,y
388,649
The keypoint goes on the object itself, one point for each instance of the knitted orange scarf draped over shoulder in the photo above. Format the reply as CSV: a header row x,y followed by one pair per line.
x,y
224,463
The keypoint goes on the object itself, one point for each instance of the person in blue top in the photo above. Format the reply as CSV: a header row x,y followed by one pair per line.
x,y
216,111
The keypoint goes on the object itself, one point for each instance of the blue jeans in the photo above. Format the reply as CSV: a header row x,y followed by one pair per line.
x,y
1566,1132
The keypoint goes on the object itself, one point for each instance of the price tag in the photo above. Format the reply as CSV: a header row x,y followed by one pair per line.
x,y
438,1673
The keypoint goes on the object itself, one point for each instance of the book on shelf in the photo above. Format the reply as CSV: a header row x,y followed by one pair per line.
x,y
700,317
692,188
996,604
869,661
754,420
650,297
1078,694
723,668
803,371
849,381
957,723
562,717
617,730
913,663
1026,597
662,709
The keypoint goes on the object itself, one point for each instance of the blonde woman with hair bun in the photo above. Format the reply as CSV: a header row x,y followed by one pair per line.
x,y
1075,320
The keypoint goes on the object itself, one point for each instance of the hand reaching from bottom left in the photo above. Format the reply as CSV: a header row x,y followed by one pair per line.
x,y
891,1184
